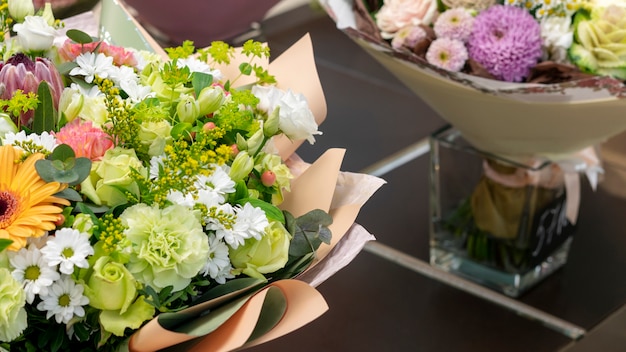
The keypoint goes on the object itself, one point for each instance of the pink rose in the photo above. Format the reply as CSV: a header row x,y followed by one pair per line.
x,y
69,51
396,14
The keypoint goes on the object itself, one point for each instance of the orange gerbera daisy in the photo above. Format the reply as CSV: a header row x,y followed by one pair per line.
x,y
28,207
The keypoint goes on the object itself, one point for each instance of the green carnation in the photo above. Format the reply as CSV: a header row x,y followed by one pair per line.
x,y
169,246
12,312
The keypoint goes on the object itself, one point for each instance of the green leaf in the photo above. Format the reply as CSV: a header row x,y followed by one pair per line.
x,y
62,152
272,311
245,68
45,115
181,130
271,211
79,36
200,80
4,243
69,194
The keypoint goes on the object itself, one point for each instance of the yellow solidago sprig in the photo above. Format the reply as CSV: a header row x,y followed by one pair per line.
x,y
123,128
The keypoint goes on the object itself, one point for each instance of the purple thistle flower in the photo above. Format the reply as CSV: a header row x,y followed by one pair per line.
x,y
506,41
446,53
455,23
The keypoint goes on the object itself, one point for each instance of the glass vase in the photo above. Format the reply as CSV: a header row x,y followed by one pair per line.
x,y
494,220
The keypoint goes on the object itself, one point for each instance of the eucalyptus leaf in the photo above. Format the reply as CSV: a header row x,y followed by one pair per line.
x,y
69,194
62,152
79,36
44,119
82,167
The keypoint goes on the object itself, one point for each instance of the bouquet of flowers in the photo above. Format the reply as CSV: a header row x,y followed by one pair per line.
x,y
525,83
148,201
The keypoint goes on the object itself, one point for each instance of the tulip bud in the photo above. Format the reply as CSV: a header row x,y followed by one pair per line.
x,y
210,99
71,103
241,167
6,125
270,127
19,9
187,109
242,143
255,142
47,14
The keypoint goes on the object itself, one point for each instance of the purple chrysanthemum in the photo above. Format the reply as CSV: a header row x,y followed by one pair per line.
x,y
455,23
446,53
506,41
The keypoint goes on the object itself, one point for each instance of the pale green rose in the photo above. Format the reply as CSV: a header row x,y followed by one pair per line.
x,y
257,257
110,286
241,167
83,223
71,103
210,99
110,178
153,136
599,45
169,246
116,322
12,312
95,110
187,109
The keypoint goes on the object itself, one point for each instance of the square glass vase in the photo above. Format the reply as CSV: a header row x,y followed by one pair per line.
x,y
495,230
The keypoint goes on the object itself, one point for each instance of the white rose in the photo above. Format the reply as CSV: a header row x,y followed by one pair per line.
x,y
557,37
35,33
396,14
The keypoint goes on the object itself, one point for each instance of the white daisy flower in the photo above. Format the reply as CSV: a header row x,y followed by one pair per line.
x,y
156,164
251,222
136,92
91,92
177,197
209,198
43,140
218,267
91,64
218,181
119,74
196,65
64,300
69,248
32,270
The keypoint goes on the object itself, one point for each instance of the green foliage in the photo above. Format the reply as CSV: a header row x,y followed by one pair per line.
x,y
79,36
45,114
63,166
4,243
220,52
310,230
181,52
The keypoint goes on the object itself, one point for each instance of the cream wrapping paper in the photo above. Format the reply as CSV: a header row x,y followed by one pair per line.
x,y
320,185
506,119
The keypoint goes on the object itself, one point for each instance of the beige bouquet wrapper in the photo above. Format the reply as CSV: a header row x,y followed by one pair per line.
x,y
320,185
507,119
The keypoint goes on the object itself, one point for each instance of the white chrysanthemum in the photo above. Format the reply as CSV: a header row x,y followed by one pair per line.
x,y
43,140
91,64
196,65
119,74
88,92
177,197
68,248
33,271
218,182
64,300
136,92
209,198
218,267
251,221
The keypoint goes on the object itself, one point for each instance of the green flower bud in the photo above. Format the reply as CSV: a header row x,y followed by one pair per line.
x,y
19,9
210,99
255,142
83,223
241,167
71,103
6,125
270,127
187,109
47,14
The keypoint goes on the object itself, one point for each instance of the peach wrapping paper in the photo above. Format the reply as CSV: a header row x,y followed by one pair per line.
x,y
320,185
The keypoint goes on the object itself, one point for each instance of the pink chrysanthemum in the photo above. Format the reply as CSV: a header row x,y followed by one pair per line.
x,y
446,53
455,24
506,41
408,37
85,139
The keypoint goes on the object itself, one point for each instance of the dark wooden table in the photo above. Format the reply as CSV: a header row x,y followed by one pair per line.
x,y
377,305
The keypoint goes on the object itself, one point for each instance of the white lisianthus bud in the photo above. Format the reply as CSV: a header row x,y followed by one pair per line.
x,y
19,9
210,99
71,103
241,167
270,127
35,34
